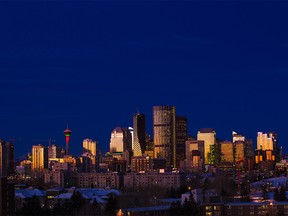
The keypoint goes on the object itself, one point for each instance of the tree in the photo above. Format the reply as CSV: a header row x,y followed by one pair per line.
x,y
32,207
77,201
280,194
112,205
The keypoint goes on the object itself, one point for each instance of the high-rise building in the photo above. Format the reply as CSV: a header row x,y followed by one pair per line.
x,y
121,140
139,138
89,146
237,137
181,136
39,158
208,135
55,151
7,197
227,151
195,153
164,129
265,141
10,158
3,160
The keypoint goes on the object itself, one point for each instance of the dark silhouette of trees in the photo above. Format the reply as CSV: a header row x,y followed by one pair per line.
x,y
189,207
112,205
280,194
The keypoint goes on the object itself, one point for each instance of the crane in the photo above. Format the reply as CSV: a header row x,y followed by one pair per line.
x,y
49,141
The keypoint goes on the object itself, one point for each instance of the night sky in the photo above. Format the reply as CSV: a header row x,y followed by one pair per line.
x,y
93,64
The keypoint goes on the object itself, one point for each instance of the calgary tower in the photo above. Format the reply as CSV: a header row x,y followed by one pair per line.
x,y
67,134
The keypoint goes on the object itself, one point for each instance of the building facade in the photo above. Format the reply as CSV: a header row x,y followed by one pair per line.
x,y
164,129
208,135
139,138
181,136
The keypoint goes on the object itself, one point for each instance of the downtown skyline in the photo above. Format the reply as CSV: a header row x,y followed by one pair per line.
x,y
92,65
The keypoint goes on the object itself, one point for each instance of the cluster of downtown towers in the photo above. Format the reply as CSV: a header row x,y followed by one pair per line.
x,y
172,144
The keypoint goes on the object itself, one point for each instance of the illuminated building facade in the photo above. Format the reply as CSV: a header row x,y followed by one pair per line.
x,y
208,135
39,160
164,129
267,147
181,136
55,151
89,146
139,138
195,153
237,137
121,140
141,163
227,151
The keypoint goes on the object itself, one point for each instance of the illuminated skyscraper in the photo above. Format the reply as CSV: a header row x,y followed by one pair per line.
x,y
227,151
164,128
89,146
237,137
181,136
38,158
121,140
208,135
139,138
67,134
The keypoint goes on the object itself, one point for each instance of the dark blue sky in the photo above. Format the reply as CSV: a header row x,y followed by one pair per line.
x,y
93,64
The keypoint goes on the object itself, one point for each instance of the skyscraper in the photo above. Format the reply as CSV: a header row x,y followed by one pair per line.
x,y
89,146
39,160
3,160
139,139
208,135
164,128
181,136
10,158
121,140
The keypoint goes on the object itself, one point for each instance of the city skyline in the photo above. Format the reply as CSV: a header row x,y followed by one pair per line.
x,y
93,65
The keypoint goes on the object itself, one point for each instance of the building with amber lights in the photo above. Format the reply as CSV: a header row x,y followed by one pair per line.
x,y
195,153
164,130
267,148
139,137
121,140
39,159
208,135
227,151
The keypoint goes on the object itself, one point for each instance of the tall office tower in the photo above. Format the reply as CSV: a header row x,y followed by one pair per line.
x,y
67,134
227,151
10,158
55,151
265,141
3,160
164,128
194,153
7,197
240,150
139,138
89,146
38,158
121,140
208,135
237,137
181,136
